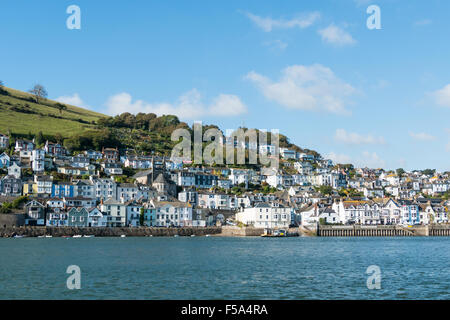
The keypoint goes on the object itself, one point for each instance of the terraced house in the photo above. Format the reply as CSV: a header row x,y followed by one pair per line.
x,y
78,217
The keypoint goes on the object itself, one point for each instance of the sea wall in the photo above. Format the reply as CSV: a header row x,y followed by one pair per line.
x,y
12,220
107,232
383,231
235,231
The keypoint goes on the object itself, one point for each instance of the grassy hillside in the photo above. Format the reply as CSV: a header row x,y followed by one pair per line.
x,y
20,114
80,129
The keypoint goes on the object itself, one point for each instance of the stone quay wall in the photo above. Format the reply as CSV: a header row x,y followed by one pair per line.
x,y
383,231
107,232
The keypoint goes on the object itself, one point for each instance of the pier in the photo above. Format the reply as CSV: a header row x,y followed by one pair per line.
x,y
383,231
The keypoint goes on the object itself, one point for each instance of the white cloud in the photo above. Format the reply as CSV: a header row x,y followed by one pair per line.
x,y
370,160
301,87
422,136
354,138
442,96
338,158
447,147
188,106
74,100
336,36
268,24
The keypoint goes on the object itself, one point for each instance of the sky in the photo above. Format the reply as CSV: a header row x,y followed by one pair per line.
x,y
312,69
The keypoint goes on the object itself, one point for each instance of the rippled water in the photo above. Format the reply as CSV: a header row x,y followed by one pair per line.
x,y
225,268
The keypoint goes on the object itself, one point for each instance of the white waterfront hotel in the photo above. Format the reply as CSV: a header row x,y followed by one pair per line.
x,y
266,215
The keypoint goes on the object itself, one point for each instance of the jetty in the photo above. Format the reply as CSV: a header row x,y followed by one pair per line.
x,y
383,231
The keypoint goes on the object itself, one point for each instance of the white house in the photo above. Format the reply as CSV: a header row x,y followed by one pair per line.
x,y
266,215
96,218
172,214
38,160
14,170
115,212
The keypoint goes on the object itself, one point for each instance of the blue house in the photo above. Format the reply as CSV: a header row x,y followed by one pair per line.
x,y
78,217
56,218
5,161
150,217
62,189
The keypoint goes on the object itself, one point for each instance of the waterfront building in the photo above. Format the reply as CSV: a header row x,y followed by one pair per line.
x,y
78,217
266,215
115,212
172,213
96,218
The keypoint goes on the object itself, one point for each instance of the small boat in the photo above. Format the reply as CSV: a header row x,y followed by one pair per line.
x,y
17,236
77,236
192,235
41,236
207,235
89,236
269,233
123,236
48,236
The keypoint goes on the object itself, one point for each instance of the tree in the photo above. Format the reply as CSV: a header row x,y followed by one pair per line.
x,y
39,92
39,140
429,172
400,172
141,217
61,107
326,190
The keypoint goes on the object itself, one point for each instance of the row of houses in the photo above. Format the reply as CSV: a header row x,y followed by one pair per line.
x,y
378,212
159,212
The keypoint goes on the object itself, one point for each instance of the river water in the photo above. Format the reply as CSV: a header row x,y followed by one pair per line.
x,y
226,268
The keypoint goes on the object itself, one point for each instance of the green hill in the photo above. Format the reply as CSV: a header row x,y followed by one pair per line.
x,y
80,129
21,115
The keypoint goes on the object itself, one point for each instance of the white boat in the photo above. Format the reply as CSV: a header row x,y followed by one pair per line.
x,y
123,236
91,236
77,236
49,236
207,235
17,236
192,235
175,236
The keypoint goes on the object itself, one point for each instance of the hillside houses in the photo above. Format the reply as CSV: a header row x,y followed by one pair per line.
x,y
119,188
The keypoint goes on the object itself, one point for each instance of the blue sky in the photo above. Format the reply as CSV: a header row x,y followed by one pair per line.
x,y
309,68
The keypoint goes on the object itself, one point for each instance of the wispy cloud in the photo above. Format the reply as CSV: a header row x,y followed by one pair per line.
x,y
338,158
277,45
314,88
371,160
354,138
74,100
268,24
188,106
336,36
442,96
424,22
421,136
